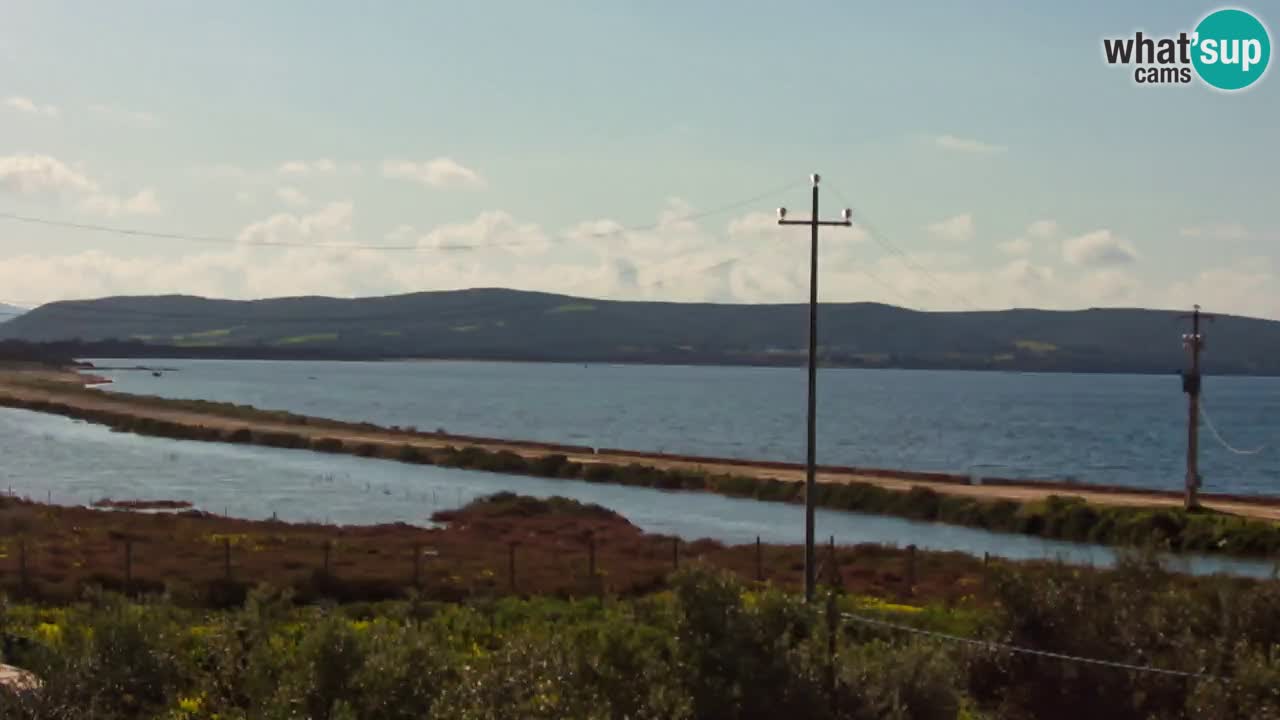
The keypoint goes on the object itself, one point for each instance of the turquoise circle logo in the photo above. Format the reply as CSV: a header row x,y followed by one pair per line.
x,y
1232,49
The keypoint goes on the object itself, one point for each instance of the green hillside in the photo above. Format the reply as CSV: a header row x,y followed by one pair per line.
x,y
508,324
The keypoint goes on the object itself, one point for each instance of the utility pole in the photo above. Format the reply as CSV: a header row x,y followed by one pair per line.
x,y
810,453
1194,343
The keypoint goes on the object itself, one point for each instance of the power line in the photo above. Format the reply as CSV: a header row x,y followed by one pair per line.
x,y
902,298
134,232
1213,430
889,246
999,646
695,216
223,240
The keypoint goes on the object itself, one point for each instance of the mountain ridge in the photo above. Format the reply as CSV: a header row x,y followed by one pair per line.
x,y
499,323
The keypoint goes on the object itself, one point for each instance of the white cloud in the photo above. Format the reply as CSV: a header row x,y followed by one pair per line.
x,y
441,172
292,196
1026,273
1016,246
1248,287
966,145
1217,231
1099,248
1111,286
31,107
221,171
754,223
321,252
142,203
1022,245
49,177
123,116
308,168
493,228
42,175
957,228
329,224
1042,229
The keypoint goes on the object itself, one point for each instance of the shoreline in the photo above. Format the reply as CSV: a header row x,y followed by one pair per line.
x,y
1056,510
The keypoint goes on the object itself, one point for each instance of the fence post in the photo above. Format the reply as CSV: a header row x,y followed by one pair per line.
x,y
226,558
591,555
128,565
327,548
759,561
834,578
833,629
675,553
22,564
511,565
911,569
417,565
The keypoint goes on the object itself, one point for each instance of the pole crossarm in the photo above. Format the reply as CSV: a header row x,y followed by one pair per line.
x,y
841,223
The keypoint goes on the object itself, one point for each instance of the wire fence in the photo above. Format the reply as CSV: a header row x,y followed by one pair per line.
x,y
330,567
992,646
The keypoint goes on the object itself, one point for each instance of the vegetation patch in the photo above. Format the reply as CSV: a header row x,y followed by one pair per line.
x,y
108,503
707,646
206,334
511,505
313,338
1035,346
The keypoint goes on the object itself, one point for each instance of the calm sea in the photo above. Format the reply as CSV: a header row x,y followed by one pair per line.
x,y
1112,429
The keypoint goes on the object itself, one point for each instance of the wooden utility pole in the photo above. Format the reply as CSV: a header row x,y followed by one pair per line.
x,y
1194,343
810,450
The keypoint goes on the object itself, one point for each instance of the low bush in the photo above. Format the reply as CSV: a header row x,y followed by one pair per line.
x,y
708,649
327,444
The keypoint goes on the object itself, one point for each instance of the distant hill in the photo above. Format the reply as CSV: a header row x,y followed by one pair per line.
x,y
9,312
515,325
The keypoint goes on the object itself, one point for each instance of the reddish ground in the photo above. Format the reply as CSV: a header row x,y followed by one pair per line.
x,y
65,549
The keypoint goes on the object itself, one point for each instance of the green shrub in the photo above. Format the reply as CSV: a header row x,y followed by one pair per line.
x,y
240,435
598,472
327,444
280,439
549,465
917,680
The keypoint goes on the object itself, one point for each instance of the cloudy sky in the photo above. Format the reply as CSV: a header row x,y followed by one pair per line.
x,y
626,150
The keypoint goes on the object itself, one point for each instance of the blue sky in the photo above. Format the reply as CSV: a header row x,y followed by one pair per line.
x,y
989,143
